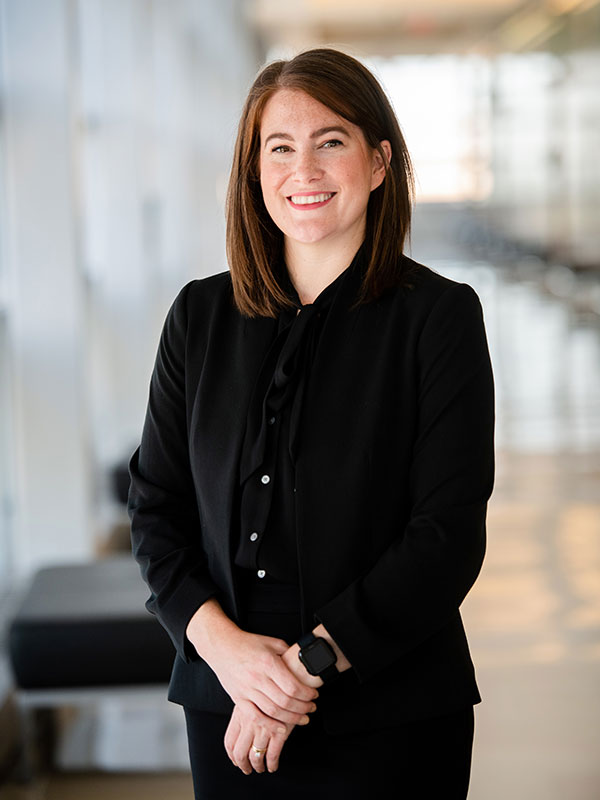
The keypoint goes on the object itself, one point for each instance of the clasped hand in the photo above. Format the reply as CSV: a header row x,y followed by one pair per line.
x,y
264,677
274,693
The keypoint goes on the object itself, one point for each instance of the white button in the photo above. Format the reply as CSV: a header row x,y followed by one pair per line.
x,y
265,479
253,536
272,421
261,573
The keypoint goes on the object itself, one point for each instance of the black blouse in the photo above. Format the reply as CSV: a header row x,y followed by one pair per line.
x,y
267,532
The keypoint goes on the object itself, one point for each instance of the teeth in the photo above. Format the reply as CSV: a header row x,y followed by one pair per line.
x,y
302,200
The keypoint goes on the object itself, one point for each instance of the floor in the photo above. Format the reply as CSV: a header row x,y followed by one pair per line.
x,y
533,617
533,620
98,786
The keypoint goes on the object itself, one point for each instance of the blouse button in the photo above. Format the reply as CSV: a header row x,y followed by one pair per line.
x,y
265,479
271,420
253,536
261,573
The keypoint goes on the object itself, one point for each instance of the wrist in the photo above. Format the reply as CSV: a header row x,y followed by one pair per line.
x,y
320,655
342,662
209,627
317,657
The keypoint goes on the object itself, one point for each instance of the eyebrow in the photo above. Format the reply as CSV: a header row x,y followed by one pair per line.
x,y
314,135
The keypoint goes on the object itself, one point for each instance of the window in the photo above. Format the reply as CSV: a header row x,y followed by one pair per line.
x,y
443,105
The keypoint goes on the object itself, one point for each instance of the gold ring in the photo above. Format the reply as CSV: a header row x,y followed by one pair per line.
x,y
259,751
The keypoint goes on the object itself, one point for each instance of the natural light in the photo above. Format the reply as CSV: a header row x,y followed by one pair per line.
x,y
443,106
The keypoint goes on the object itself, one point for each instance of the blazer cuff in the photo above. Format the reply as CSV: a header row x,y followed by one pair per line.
x,y
341,626
175,613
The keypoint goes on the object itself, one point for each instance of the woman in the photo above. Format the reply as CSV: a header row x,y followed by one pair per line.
x,y
308,500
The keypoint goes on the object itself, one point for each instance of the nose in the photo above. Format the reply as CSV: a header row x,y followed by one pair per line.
x,y
307,166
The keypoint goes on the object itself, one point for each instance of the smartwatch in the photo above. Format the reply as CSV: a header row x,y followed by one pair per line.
x,y
318,657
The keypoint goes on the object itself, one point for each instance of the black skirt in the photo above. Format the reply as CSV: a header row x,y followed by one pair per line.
x,y
415,760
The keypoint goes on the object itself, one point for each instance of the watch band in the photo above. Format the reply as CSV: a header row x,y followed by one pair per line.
x,y
306,639
330,672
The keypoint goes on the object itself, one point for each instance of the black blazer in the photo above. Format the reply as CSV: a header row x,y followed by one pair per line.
x,y
394,470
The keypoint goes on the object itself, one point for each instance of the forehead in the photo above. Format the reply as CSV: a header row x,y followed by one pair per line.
x,y
289,109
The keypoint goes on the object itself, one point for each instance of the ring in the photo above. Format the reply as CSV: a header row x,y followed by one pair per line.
x,y
259,750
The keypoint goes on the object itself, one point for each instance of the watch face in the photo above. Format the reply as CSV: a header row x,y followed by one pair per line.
x,y
318,656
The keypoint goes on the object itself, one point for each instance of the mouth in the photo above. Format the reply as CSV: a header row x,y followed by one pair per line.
x,y
308,201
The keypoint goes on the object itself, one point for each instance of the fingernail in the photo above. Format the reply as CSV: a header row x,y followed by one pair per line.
x,y
313,707
305,720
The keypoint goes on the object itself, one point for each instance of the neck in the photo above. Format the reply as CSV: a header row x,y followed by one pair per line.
x,y
313,267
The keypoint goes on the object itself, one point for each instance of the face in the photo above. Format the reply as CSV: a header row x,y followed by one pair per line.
x,y
316,170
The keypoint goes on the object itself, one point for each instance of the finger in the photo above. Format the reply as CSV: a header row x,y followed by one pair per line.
x,y
276,742
276,668
242,747
231,735
258,748
274,711
286,701
290,684
278,645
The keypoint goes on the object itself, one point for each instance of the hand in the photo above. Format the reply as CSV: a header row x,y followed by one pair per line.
x,y
253,671
249,726
250,666
296,667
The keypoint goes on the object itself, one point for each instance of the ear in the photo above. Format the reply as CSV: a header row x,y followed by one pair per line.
x,y
379,165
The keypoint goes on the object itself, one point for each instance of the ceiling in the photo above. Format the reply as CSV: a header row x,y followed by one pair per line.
x,y
390,27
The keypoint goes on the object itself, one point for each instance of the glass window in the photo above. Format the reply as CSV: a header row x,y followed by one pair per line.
x,y
455,89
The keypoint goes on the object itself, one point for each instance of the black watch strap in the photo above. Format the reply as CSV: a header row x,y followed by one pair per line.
x,y
330,672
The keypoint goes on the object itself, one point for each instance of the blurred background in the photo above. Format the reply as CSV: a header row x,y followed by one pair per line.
x,y
117,121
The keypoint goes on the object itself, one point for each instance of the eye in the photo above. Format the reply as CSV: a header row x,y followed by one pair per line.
x,y
331,144
281,148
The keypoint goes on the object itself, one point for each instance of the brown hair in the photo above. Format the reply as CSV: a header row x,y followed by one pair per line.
x,y
254,243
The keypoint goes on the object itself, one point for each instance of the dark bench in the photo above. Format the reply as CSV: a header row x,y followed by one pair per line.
x,y
82,633
86,625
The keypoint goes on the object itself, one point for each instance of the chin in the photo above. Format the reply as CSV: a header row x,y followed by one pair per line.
x,y
307,236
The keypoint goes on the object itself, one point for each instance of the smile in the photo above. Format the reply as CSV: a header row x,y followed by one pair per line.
x,y
311,200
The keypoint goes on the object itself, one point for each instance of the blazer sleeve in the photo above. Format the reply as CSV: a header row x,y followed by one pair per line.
x,y
417,585
162,505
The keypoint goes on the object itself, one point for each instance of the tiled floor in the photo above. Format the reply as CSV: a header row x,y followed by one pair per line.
x,y
533,620
533,617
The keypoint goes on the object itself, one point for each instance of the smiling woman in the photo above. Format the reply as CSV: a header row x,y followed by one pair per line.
x,y
308,500
328,102
316,188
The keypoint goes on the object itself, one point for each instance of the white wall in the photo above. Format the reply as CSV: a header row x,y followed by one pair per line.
x,y
45,304
118,122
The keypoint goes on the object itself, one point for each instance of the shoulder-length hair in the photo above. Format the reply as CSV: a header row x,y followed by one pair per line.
x,y
254,243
